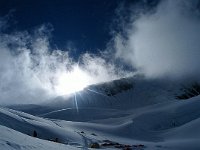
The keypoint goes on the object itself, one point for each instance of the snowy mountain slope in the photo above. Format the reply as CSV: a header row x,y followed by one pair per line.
x,y
144,116
154,120
134,92
159,126
14,140
84,114
143,92
25,123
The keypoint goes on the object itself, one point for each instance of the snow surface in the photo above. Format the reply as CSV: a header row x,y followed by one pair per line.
x,y
144,117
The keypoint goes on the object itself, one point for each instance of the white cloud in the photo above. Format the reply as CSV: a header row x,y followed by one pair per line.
x,y
30,70
166,42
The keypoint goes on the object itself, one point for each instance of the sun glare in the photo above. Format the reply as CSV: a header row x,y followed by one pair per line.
x,y
71,82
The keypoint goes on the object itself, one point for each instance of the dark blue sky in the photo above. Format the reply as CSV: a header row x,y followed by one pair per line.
x,y
86,23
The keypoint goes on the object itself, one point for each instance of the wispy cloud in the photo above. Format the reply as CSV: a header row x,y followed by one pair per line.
x,y
159,42
31,70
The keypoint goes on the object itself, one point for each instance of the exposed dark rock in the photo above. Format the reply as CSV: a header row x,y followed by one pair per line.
x,y
94,145
189,92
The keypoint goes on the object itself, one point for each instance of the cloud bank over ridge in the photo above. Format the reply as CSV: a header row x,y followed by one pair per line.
x,y
31,71
161,42
164,42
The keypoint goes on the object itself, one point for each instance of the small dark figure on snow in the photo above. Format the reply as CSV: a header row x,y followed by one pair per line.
x,y
34,133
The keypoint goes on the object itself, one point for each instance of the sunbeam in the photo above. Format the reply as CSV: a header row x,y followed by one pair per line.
x,y
76,103
97,92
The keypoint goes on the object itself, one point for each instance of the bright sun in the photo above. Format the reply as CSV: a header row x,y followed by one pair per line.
x,y
73,81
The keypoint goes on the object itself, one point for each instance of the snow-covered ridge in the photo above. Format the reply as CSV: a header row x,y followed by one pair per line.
x,y
152,126
191,90
145,116
114,87
125,93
